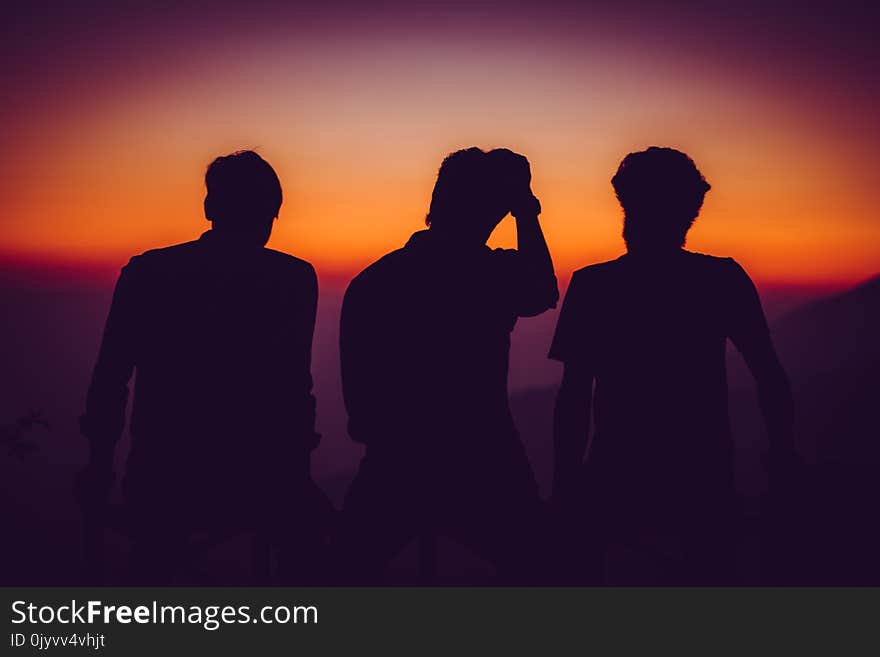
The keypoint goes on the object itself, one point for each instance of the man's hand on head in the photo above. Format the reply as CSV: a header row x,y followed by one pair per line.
x,y
520,171
516,172
526,206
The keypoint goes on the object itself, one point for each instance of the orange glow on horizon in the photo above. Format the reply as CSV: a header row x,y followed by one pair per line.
x,y
356,137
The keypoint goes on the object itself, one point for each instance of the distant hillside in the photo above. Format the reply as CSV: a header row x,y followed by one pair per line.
x,y
831,349
839,332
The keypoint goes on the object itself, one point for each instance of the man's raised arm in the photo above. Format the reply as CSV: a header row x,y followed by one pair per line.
x,y
539,289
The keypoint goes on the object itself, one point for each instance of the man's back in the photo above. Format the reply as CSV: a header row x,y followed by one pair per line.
x,y
220,337
425,343
654,331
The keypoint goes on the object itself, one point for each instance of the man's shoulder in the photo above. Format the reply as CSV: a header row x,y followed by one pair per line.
x,y
380,269
599,269
385,279
717,269
693,259
162,255
289,263
705,260
181,259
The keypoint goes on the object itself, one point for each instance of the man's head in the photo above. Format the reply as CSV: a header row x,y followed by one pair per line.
x,y
661,192
474,191
244,196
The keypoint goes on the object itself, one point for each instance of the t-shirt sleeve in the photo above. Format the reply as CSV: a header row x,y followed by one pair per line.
x,y
570,342
747,325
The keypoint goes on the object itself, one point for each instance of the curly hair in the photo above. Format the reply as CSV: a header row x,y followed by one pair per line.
x,y
661,192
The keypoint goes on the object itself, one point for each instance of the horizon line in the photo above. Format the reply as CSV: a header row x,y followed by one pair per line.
x,y
45,267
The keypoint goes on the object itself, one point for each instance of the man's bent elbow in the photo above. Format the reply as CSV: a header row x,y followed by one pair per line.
x,y
541,301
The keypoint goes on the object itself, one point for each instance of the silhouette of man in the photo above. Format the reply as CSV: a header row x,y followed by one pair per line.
x,y
219,331
649,329
425,339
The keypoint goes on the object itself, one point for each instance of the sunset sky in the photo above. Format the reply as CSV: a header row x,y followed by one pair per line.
x,y
112,114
